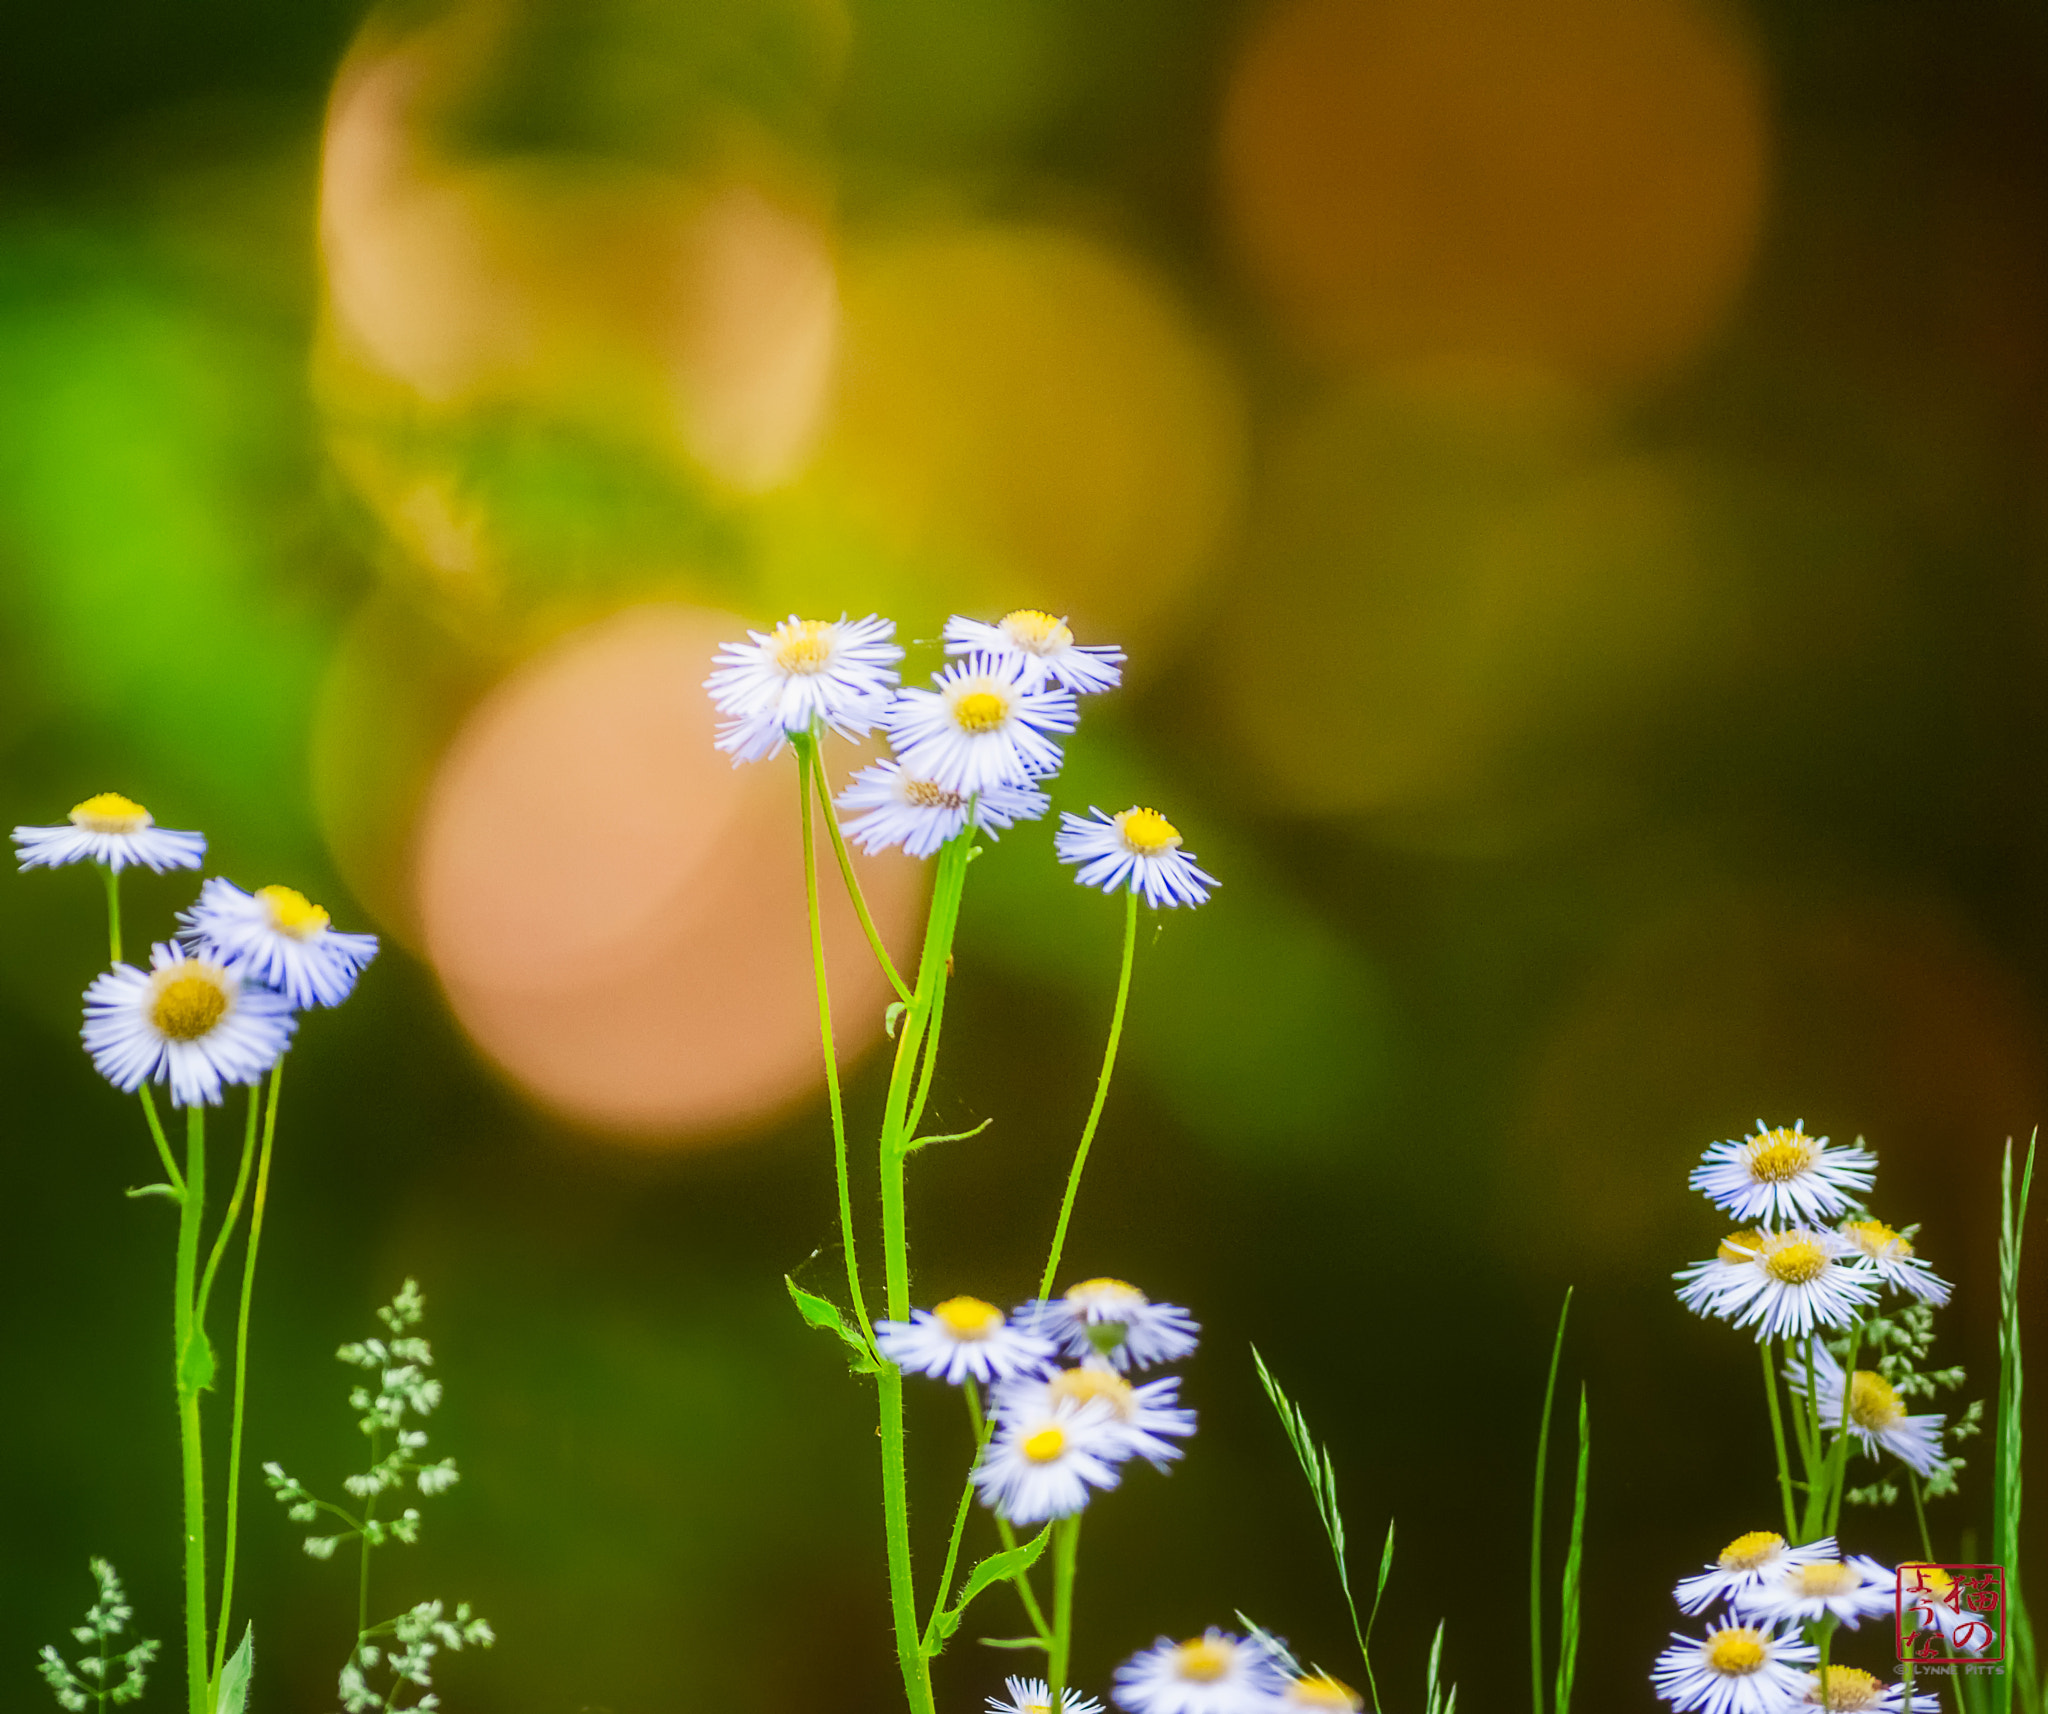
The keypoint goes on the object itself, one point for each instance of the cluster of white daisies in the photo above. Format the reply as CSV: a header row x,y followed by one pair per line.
x,y
220,1000
1215,1673
971,750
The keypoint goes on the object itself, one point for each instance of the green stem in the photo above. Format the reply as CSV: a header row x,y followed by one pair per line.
x,y
1116,1030
846,874
1778,1435
1066,1554
806,760
163,1144
363,1563
1536,1515
113,881
910,1658
234,1488
1838,1473
1920,1516
188,1332
232,1217
1006,1532
982,1427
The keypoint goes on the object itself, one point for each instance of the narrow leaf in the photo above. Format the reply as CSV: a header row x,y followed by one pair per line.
x,y
1568,1594
232,1696
949,1137
1536,1517
167,1192
195,1363
823,1314
1012,1642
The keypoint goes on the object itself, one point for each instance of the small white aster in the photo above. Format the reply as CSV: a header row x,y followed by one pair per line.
x,y
1041,1462
1852,1589
1928,1596
1734,1669
1747,1562
1034,1696
1728,1279
1799,1281
1851,1690
1145,1419
1044,644
963,1337
1783,1176
980,725
279,937
113,830
1215,1673
840,672
892,807
1877,1415
1114,1319
1136,848
1891,1253
189,1020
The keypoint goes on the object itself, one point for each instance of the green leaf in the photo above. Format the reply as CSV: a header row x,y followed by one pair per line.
x,y
1536,1518
892,1017
168,1192
232,1696
997,1568
1012,1642
1568,1597
949,1137
195,1363
823,1314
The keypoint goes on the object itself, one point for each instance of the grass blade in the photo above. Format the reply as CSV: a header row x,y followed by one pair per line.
x,y
2005,1518
1536,1518
1434,1701
1568,1593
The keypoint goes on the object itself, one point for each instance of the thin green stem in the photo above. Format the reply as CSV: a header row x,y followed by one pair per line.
x,y
1066,1554
113,881
1838,1473
910,1657
163,1143
1920,1516
1006,1533
189,1338
232,1217
806,761
1116,1030
1778,1435
1536,1515
363,1563
981,1427
846,873
234,1488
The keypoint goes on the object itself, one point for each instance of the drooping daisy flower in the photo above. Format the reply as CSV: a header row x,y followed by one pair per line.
x,y
1042,1461
1877,1415
1113,1319
190,1021
980,725
1044,645
838,671
1783,1176
1747,1562
1215,1673
1135,848
1800,1282
1145,1420
1708,1288
1319,1693
1930,1600
279,937
113,830
1852,1589
1851,1690
1736,1669
1034,1696
961,1337
1891,1253
893,807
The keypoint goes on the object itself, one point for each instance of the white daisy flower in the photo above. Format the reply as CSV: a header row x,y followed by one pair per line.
x,y
961,1337
1891,1253
1877,1415
980,725
1113,1319
1799,1282
279,937
893,807
1783,1176
1136,848
1747,1562
1851,1690
1852,1589
1042,1461
1706,1288
1215,1673
1145,1420
1928,1596
190,1020
1736,1669
1034,1696
113,830
1044,645
1319,1693
838,671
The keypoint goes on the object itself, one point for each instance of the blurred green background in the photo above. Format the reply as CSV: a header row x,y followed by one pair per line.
x,y
1570,479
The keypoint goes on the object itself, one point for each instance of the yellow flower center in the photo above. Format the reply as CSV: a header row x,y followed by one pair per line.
x,y
1845,1687
188,1005
1829,1577
1082,1385
1747,1552
1737,1651
1038,633
1875,1238
967,1317
1319,1690
1874,1402
1930,1578
1201,1660
926,795
1797,1263
1046,1445
110,812
803,645
1147,832
981,711
1741,1246
1105,1295
1778,1155
292,912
